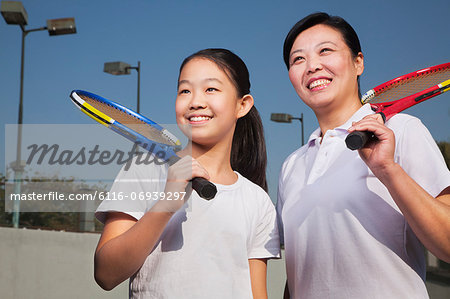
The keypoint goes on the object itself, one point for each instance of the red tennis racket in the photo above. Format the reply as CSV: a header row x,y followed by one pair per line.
x,y
401,93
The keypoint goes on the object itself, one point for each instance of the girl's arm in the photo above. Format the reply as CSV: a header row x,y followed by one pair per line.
x,y
125,242
258,277
428,217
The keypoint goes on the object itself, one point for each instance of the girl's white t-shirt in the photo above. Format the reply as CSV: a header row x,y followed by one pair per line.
x,y
204,249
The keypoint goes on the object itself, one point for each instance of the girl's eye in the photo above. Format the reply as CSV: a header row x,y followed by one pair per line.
x,y
184,91
211,89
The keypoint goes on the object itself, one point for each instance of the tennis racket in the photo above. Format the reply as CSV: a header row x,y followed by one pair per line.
x,y
138,129
401,93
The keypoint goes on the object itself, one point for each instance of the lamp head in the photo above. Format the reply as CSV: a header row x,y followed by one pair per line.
x,y
14,13
117,68
281,117
61,26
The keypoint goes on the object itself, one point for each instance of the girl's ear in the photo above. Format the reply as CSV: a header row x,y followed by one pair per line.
x,y
244,105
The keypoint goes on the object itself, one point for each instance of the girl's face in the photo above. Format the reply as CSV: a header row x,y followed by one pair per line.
x,y
207,103
322,69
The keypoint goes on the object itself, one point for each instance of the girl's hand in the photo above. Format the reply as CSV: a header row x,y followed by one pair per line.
x,y
179,176
378,154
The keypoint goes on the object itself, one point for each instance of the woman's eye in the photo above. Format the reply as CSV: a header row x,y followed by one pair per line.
x,y
183,91
211,89
325,50
297,59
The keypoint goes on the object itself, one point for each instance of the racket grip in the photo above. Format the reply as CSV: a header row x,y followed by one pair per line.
x,y
204,188
357,139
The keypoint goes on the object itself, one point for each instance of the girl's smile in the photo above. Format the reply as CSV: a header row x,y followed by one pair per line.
x,y
198,119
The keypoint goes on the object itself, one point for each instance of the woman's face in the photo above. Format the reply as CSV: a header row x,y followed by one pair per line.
x,y
322,69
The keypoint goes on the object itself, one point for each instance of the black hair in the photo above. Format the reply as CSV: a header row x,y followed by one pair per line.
x,y
348,33
248,151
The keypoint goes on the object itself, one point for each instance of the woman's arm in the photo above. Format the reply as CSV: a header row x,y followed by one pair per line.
x,y
428,217
258,276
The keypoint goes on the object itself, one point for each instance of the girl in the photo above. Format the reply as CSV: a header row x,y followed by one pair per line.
x,y
196,248
354,222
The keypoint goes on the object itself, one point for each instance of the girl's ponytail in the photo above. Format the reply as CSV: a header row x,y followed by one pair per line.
x,y
248,151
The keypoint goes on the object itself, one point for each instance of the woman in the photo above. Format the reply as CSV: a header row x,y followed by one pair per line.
x,y
354,222
196,248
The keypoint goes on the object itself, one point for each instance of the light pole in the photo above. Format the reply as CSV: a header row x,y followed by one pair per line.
x,y
287,118
15,14
122,68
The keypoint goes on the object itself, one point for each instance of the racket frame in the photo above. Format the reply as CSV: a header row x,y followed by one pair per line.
x,y
144,142
387,109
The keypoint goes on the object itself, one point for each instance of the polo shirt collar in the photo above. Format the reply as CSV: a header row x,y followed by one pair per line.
x,y
357,116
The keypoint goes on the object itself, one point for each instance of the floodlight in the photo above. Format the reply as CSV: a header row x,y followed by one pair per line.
x,y
61,26
14,13
117,68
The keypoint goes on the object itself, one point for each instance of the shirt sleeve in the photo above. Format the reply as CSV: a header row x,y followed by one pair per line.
x,y
266,242
420,157
132,190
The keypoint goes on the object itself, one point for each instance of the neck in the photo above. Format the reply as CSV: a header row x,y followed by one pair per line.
x,y
335,117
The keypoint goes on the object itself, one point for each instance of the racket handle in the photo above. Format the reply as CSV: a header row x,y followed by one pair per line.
x,y
357,139
204,188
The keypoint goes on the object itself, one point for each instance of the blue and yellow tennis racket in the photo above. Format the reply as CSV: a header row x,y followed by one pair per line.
x,y
138,129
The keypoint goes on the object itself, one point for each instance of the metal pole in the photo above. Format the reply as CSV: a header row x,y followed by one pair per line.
x,y
17,168
138,85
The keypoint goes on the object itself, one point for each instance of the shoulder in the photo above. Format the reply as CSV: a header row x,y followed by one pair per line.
x,y
417,153
399,121
133,181
249,186
253,193
407,129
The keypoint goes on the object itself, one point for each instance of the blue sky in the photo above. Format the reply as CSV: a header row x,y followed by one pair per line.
x,y
396,36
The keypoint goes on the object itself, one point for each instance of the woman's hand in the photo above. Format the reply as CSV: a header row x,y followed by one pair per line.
x,y
178,178
378,154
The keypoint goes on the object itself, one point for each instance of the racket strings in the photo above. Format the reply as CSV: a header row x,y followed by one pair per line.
x,y
411,85
129,120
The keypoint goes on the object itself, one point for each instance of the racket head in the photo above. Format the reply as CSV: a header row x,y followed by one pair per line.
x,y
409,86
126,122
401,93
